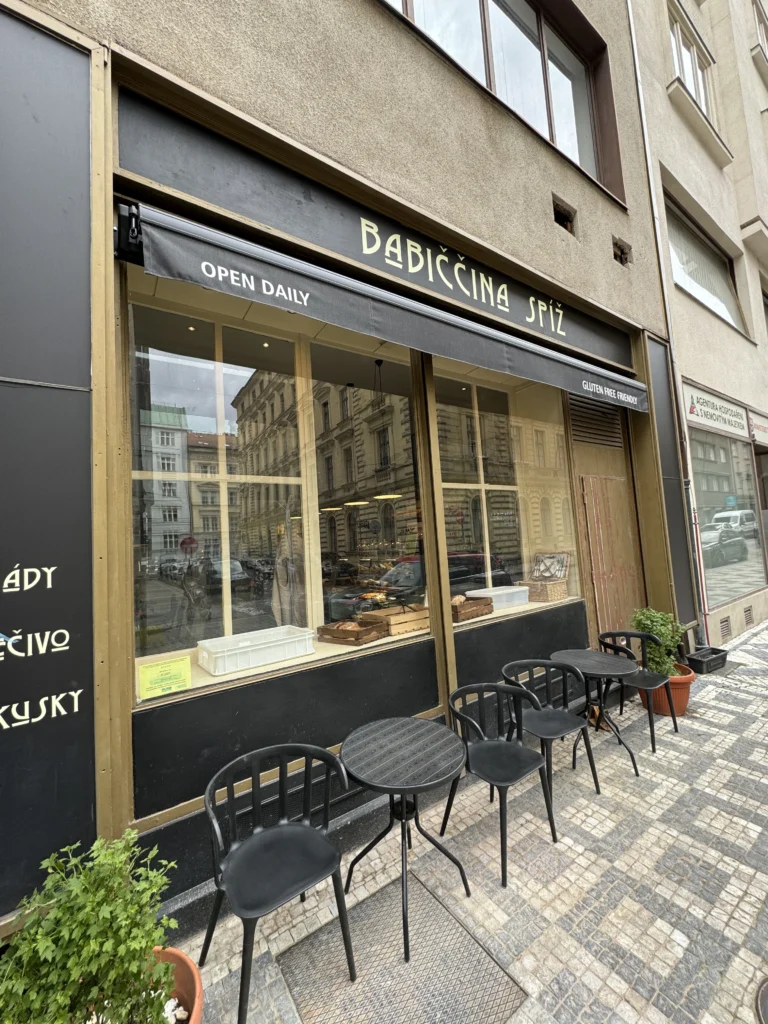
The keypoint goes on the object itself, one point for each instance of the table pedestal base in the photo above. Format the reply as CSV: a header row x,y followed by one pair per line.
x,y
405,809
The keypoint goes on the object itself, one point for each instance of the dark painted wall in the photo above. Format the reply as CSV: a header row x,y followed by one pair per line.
x,y
46,673
178,747
669,452
482,651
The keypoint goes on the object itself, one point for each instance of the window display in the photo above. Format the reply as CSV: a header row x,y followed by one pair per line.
x,y
237,566
506,496
729,517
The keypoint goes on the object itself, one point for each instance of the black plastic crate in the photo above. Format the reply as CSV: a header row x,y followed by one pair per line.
x,y
707,659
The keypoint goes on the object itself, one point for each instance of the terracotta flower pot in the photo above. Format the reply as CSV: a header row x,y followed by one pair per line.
x,y
187,988
681,691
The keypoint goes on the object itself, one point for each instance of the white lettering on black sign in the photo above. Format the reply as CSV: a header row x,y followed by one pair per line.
x,y
252,283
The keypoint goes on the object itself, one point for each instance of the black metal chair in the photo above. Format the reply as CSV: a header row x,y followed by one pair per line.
x,y
619,643
550,723
501,761
261,868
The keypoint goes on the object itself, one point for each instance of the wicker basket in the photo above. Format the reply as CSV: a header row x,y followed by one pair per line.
x,y
549,590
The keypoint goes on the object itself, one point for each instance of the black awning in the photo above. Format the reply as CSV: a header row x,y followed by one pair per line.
x,y
184,251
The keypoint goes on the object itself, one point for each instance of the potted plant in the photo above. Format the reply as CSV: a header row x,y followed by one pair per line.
x,y
662,659
89,946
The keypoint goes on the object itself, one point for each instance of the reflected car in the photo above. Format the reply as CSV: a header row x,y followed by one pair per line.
x,y
404,584
206,577
722,544
742,520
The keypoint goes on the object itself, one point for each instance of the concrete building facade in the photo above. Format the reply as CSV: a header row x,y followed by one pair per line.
x,y
705,86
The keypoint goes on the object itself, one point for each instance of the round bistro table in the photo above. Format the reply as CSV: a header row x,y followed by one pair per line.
x,y
403,757
604,668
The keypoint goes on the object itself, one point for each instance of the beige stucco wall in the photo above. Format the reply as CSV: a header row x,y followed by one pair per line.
x,y
350,80
708,350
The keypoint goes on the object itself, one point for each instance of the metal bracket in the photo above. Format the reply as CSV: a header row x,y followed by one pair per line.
x,y
128,241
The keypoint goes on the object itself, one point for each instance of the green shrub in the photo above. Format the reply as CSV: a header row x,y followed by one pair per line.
x,y
668,630
84,952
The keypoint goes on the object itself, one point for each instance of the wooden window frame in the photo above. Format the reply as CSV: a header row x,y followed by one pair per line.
x,y
565,19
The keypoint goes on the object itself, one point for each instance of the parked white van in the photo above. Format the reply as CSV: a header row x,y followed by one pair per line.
x,y
742,519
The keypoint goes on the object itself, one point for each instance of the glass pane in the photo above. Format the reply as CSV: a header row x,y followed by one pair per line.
x,y
544,511
267,557
171,610
465,537
517,61
570,103
728,513
173,397
673,44
456,432
689,64
505,534
702,271
701,87
369,512
259,405
498,464
455,25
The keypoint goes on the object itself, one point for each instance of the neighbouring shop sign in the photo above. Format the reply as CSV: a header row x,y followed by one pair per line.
x,y
759,426
708,411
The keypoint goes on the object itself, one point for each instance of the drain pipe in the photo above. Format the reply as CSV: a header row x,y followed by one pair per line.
x,y
700,631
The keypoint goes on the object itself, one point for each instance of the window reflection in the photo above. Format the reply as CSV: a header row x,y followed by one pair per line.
x,y
509,501
455,25
570,103
517,62
729,516
369,512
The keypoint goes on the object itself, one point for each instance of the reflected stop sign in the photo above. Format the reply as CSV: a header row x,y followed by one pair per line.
x,y
188,546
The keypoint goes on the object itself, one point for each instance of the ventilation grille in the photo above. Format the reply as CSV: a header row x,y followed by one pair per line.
x,y
749,616
725,628
593,423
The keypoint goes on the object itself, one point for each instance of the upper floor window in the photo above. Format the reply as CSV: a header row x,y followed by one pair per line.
x,y
691,63
701,269
762,26
509,47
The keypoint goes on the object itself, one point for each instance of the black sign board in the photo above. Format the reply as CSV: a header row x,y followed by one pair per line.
x,y
46,646
167,148
178,249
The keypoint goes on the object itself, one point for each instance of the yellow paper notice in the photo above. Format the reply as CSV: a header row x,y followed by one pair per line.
x,y
163,677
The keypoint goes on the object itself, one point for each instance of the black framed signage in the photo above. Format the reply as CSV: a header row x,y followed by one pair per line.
x,y
182,250
47,784
165,147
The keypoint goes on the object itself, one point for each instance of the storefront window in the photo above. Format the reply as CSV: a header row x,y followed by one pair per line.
x,y
506,492
238,570
729,516
369,517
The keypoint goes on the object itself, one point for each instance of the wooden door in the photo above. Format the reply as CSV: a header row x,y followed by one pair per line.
x,y
607,517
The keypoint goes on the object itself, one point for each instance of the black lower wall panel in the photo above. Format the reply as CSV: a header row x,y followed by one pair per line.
x,y
482,650
178,747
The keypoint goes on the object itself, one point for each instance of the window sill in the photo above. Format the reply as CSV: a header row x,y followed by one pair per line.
x,y
722,319
760,60
755,237
531,607
699,123
323,654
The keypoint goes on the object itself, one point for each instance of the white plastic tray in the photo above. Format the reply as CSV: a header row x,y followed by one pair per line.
x,y
250,650
502,597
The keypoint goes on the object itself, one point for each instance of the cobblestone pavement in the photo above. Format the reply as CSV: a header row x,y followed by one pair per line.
x,y
652,906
